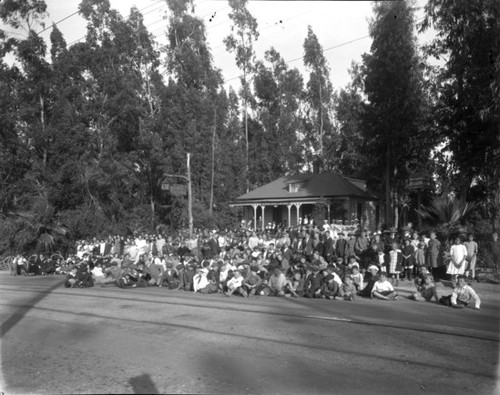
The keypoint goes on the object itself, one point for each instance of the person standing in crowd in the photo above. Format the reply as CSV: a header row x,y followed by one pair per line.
x,y
329,251
394,262
341,246
360,247
408,252
472,250
433,250
390,239
458,262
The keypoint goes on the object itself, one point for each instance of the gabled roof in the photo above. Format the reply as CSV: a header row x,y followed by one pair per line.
x,y
312,186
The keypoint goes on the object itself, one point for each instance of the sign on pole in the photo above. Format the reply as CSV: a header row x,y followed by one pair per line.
x,y
178,190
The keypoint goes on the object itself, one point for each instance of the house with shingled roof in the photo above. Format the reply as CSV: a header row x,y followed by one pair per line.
x,y
296,199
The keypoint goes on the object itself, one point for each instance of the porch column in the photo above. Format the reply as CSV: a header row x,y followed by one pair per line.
x,y
263,209
289,215
298,211
254,216
328,213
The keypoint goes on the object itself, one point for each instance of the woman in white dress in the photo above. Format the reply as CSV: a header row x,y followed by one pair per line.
x,y
458,255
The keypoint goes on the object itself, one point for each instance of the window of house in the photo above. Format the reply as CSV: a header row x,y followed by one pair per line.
x,y
294,187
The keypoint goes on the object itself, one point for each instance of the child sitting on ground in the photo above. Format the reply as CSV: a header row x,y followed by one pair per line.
x,y
383,289
276,283
347,289
295,286
424,283
352,264
331,283
463,295
234,284
357,279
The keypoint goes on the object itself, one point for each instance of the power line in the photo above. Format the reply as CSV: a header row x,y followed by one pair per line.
x,y
327,49
142,9
59,21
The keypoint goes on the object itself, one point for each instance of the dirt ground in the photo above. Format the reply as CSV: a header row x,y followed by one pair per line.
x,y
150,340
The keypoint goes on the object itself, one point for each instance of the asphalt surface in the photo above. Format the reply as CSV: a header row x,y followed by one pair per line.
x,y
151,340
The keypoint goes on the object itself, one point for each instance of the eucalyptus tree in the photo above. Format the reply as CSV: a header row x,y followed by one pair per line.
x,y
319,133
278,92
189,101
243,34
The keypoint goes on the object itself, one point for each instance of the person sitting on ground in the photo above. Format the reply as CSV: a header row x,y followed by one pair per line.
x,y
20,265
357,279
463,295
383,289
352,263
200,279
187,276
276,283
424,282
98,274
253,281
34,266
212,287
234,284
331,283
313,283
71,278
224,273
170,277
295,285
347,289
318,260
153,271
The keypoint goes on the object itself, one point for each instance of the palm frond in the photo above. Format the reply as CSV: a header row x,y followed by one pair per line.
x,y
46,240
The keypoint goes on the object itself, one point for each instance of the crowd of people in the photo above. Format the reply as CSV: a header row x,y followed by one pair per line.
x,y
306,261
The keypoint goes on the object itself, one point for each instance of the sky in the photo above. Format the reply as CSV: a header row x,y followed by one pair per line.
x,y
341,28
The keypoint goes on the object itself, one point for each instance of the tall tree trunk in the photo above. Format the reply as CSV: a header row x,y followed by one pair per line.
x,y
42,122
245,101
396,211
153,207
213,164
320,127
387,187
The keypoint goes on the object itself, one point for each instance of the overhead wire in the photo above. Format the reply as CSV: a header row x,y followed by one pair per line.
x,y
325,50
59,21
142,9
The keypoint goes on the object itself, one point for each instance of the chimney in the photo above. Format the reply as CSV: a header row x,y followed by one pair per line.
x,y
317,166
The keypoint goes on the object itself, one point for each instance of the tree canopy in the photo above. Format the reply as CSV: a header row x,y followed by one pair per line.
x,y
90,131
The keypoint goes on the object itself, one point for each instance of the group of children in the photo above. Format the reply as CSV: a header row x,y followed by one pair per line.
x,y
311,262
253,277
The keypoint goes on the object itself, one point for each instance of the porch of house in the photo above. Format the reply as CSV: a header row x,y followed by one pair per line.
x,y
263,214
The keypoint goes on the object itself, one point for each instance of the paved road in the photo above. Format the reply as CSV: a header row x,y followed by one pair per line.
x,y
150,340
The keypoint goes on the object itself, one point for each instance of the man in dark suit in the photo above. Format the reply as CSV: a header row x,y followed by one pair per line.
x,y
329,253
213,243
341,246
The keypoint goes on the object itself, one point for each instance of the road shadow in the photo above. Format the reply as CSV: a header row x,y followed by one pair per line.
x,y
143,385
19,314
